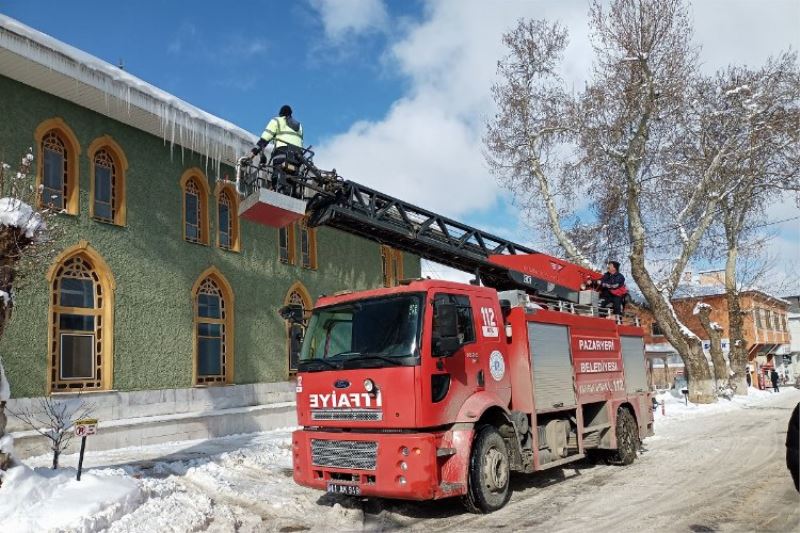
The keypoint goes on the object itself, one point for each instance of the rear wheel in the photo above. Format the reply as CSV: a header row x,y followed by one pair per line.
x,y
489,472
627,438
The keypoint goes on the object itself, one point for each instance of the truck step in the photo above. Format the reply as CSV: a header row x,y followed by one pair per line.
x,y
596,427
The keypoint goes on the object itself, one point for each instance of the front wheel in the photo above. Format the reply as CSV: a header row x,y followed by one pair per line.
x,y
627,438
489,472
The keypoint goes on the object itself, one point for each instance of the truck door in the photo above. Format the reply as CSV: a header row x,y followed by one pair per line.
x,y
452,378
633,363
551,364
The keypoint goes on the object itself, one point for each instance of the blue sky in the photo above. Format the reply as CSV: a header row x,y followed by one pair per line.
x,y
240,63
394,94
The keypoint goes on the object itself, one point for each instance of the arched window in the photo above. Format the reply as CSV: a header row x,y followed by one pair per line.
x,y
308,245
392,263
227,217
298,298
195,202
57,166
286,246
107,181
213,317
81,316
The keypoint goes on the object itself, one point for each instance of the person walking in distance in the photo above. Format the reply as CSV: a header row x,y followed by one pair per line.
x,y
773,376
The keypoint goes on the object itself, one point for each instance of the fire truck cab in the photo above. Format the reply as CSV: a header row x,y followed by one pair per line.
x,y
436,389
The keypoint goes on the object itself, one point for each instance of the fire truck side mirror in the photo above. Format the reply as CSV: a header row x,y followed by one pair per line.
x,y
445,330
291,313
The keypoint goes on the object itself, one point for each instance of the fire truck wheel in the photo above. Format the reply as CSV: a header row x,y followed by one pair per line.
x,y
489,472
627,438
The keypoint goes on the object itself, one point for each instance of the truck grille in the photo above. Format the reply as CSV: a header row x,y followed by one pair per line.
x,y
356,454
359,415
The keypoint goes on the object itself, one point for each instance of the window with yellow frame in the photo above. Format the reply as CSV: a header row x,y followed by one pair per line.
x,y
195,205
392,264
81,328
227,217
107,192
213,317
57,166
286,245
308,245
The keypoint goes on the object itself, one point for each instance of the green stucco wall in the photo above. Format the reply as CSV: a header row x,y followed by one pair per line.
x,y
154,268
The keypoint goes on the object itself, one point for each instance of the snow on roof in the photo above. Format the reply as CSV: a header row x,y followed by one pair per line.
x,y
113,92
696,290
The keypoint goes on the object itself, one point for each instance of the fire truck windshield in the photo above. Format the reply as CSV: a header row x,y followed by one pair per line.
x,y
368,333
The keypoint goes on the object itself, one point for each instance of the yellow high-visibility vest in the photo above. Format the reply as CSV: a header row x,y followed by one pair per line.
x,y
279,130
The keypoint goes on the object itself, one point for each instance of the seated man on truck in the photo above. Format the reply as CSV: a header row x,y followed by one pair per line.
x,y
612,288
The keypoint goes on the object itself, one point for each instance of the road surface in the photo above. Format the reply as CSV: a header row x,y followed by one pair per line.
x,y
720,472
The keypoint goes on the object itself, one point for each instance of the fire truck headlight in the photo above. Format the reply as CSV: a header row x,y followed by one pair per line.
x,y
404,451
403,465
369,385
401,480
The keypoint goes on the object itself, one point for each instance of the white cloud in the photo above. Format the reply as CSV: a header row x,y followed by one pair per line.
x,y
343,17
427,147
436,271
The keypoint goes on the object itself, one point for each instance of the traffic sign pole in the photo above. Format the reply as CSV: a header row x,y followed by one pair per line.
x,y
80,457
84,428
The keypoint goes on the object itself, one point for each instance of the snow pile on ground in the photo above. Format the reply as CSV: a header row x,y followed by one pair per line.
x,y
41,499
241,483
17,213
676,409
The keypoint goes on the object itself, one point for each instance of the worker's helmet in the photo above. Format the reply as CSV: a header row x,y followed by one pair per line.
x,y
285,111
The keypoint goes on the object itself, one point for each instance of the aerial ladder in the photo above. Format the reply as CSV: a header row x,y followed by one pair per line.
x,y
277,195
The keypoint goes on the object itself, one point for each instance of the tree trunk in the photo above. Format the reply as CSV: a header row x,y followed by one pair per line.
x,y
56,455
701,383
738,350
687,344
720,366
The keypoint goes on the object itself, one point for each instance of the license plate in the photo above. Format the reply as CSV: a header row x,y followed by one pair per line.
x,y
350,490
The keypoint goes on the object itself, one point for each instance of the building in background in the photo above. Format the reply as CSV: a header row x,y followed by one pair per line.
x,y
766,333
792,358
160,305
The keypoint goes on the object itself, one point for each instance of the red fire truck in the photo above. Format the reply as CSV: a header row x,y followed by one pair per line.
x,y
435,389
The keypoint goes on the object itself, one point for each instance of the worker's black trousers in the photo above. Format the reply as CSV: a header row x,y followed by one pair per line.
x,y
609,300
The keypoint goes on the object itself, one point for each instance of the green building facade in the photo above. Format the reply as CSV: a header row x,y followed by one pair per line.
x,y
147,274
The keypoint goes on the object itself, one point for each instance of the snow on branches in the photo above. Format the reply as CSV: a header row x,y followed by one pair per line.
x,y
699,306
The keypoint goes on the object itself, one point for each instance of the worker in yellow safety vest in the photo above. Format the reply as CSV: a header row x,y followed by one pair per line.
x,y
285,131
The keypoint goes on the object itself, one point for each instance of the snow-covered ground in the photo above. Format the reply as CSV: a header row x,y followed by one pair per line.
x,y
676,408
244,482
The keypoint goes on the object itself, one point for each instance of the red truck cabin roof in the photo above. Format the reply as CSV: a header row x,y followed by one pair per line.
x,y
423,285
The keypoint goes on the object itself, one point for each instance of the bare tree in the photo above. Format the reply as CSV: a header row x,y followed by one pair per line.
x,y
532,128
769,98
55,420
622,138
662,151
756,111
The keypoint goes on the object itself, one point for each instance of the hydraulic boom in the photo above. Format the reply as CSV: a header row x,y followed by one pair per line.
x,y
351,207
